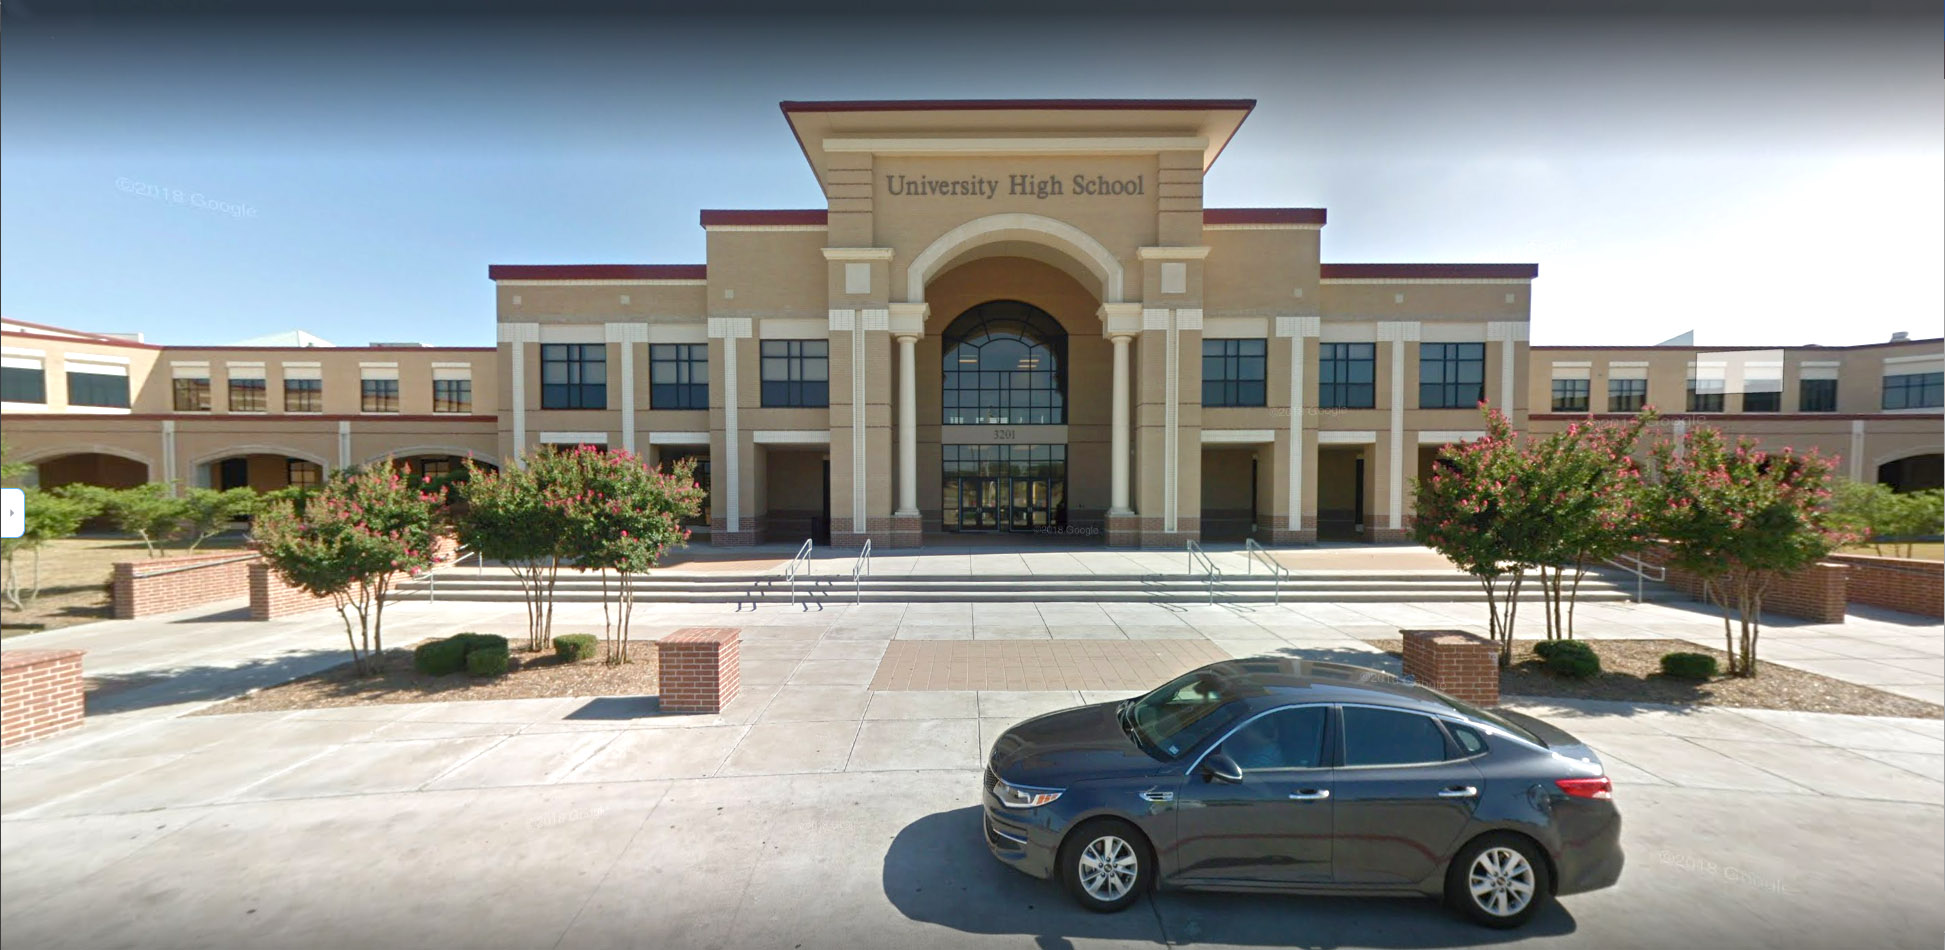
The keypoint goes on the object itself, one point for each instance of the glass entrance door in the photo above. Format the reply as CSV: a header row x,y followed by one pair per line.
x,y
1005,487
981,507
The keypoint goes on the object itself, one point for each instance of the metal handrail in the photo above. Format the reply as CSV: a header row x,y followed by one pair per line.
x,y
459,554
1640,571
1253,553
199,565
1213,573
798,561
860,570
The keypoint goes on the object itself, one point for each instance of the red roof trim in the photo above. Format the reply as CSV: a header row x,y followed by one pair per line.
x,y
597,272
254,417
715,217
1729,349
89,340
1262,216
945,105
1430,271
48,326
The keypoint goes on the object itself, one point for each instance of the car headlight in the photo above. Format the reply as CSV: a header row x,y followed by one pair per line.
x,y
1029,797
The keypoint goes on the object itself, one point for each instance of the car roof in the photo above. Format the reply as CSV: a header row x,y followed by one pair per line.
x,y
1275,680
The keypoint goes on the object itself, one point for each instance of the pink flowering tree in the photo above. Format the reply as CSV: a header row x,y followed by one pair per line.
x,y
1590,490
1739,518
1479,509
519,518
355,536
622,516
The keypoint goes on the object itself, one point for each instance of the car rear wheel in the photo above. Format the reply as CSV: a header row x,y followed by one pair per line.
x,y
1106,865
1498,880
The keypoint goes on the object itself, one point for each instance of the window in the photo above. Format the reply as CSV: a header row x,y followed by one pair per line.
x,y
378,395
248,395
1005,363
436,468
1286,739
1451,375
303,474
1914,391
192,394
1816,395
1469,740
102,390
303,395
23,384
796,373
1346,375
1182,713
1626,395
1234,371
678,376
1570,395
573,376
1390,737
452,395
1705,395
1768,401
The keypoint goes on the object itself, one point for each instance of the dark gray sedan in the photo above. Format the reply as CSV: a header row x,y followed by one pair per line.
x,y
1287,775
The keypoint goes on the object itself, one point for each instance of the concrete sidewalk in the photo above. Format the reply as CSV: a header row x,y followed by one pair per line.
x,y
827,815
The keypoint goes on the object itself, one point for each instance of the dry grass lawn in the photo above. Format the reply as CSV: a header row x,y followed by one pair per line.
x,y
74,576
1923,550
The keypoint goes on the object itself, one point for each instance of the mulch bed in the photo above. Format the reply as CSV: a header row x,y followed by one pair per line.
x,y
529,676
1631,672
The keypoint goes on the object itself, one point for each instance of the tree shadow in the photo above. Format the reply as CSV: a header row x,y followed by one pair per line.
x,y
938,871
115,693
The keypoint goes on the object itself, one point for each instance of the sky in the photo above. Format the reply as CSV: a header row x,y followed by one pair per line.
x,y
1761,182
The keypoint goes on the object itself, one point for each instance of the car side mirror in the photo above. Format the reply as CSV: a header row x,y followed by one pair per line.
x,y
1221,768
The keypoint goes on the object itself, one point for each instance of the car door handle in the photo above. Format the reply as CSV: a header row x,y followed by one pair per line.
x,y
1458,791
1310,795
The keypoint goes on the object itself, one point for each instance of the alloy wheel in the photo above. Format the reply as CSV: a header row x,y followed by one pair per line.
x,y
1108,867
1501,881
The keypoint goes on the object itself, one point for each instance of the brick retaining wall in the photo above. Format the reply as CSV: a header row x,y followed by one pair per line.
x,y
1898,583
40,694
1461,664
163,584
1818,592
699,669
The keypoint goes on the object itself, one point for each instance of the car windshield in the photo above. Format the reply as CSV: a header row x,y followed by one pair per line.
x,y
1182,713
1473,712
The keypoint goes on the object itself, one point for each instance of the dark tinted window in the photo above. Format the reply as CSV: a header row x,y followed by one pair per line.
x,y
573,376
1451,375
796,373
1914,391
1346,375
1817,395
1626,395
97,389
678,376
1390,737
1235,372
1570,395
1469,740
1289,739
22,384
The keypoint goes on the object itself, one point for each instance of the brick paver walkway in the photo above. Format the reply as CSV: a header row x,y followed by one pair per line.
x,y
1039,664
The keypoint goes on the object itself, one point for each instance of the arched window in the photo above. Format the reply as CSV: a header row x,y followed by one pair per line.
x,y
1005,364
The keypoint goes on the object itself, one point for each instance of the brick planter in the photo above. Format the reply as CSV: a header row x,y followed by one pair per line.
x,y
1818,592
698,669
164,584
40,694
271,598
1461,664
1896,583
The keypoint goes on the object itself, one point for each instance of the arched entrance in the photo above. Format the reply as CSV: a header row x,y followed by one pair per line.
x,y
1914,472
1003,373
90,468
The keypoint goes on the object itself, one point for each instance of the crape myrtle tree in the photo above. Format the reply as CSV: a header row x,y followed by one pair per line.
x,y
49,517
1739,518
208,512
622,516
356,535
518,517
1879,516
147,511
1590,488
1479,510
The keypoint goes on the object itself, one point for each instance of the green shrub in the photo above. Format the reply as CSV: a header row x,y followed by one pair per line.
x,y
1572,658
487,662
481,641
439,657
576,646
1688,666
1545,648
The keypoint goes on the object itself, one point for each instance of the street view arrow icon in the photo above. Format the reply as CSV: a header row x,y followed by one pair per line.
x,y
13,512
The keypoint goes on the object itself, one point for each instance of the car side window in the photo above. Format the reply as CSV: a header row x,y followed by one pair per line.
x,y
1285,739
1390,737
1469,740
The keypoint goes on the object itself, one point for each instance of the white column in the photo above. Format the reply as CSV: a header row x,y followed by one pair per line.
x,y
729,330
1508,333
518,335
1118,436
907,426
344,443
1397,333
169,454
1297,329
627,334
1857,451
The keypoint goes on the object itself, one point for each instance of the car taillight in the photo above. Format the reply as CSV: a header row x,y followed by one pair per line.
x,y
1602,787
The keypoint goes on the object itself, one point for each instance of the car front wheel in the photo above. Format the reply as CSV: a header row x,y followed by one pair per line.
x,y
1498,880
1106,865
